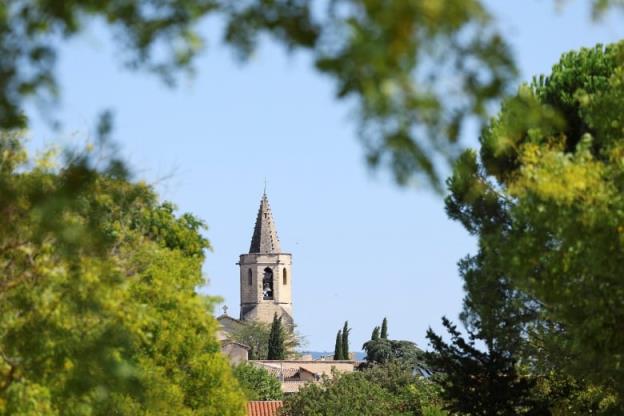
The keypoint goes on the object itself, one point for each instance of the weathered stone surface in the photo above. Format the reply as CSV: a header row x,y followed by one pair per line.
x,y
265,273
264,239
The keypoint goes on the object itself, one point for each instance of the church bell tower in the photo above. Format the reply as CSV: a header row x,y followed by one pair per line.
x,y
265,273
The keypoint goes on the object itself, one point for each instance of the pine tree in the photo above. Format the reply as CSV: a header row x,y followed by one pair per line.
x,y
338,347
345,341
277,350
384,329
375,335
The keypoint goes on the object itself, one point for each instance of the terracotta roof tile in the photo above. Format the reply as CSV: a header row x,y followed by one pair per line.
x,y
260,408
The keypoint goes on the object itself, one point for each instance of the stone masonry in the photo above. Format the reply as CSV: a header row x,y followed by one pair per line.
x,y
265,273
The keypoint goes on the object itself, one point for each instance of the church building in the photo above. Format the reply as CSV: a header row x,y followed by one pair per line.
x,y
265,273
265,284
266,290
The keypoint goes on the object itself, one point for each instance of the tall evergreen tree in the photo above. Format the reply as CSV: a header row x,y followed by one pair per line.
x,y
375,335
384,328
338,347
544,198
480,382
345,341
277,349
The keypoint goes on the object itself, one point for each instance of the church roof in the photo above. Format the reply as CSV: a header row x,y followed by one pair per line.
x,y
264,239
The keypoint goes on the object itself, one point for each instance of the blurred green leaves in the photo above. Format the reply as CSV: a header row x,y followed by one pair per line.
x,y
416,70
97,297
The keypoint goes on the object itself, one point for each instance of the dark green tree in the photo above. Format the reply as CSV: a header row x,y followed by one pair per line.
x,y
480,383
277,349
384,329
544,199
345,341
375,334
382,351
338,347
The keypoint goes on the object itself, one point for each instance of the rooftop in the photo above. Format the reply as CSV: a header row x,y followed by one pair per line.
x,y
263,408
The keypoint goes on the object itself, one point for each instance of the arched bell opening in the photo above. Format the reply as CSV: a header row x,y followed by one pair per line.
x,y
267,284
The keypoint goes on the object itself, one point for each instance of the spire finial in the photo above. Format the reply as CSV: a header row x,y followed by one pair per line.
x,y
264,239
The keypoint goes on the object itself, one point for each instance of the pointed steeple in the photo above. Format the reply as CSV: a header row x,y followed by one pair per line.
x,y
264,239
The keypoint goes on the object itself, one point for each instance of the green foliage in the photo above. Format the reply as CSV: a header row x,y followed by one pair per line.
x,y
567,396
384,329
382,351
414,394
256,336
258,383
386,56
338,354
97,295
381,390
474,382
545,200
276,348
345,341
390,57
375,334
346,395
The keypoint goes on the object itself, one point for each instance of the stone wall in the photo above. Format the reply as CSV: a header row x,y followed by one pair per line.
x,y
253,305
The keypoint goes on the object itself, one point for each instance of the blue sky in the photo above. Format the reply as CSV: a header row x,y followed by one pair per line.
x,y
362,247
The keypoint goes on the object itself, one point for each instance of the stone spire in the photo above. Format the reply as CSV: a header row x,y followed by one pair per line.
x,y
264,239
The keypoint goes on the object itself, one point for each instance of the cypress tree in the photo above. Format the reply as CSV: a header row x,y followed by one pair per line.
x,y
338,347
345,341
277,350
384,329
375,335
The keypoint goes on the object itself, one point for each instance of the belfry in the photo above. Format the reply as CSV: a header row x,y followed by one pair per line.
x,y
265,273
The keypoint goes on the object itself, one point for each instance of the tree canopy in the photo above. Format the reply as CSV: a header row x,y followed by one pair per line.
x,y
381,350
544,197
382,390
255,335
99,310
258,383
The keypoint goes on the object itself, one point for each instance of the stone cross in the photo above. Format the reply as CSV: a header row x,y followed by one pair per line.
x,y
225,308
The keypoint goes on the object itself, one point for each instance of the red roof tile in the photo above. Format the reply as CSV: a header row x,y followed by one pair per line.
x,y
258,408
